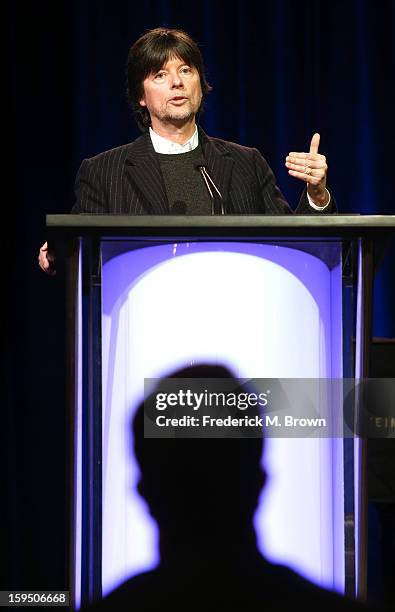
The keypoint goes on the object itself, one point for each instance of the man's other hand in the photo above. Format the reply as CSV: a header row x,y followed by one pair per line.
x,y
46,260
311,168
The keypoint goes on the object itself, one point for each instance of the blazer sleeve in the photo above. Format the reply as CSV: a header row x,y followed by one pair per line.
x,y
89,191
272,200
304,207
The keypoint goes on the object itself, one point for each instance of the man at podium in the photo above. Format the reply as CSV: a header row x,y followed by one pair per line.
x,y
174,167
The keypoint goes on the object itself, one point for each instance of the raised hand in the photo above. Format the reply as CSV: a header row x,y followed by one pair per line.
x,y
311,168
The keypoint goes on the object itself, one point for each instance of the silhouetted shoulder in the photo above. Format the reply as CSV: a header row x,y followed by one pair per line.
x,y
142,592
288,590
275,588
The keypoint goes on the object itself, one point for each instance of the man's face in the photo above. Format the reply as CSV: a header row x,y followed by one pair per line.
x,y
173,94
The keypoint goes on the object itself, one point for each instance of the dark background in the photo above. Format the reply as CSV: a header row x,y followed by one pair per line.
x,y
280,70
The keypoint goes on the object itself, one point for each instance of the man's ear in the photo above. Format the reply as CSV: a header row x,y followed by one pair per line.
x,y
263,478
141,488
142,102
144,492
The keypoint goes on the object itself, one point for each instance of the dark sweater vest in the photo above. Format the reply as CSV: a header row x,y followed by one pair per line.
x,y
185,187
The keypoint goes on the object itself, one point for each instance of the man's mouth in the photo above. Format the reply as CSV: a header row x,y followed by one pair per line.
x,y
178,99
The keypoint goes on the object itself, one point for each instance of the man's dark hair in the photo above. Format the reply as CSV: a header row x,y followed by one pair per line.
x,y
148,54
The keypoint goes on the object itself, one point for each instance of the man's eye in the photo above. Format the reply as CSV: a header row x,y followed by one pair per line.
x,y
186,70
159,76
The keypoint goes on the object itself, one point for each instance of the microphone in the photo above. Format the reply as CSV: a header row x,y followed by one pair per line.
x,y
217,201
179,208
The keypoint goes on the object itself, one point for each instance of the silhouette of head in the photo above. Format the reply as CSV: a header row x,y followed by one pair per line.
x,y
200,485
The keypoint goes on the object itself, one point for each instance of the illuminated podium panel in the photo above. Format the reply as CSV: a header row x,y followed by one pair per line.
x,y
235,304
269,297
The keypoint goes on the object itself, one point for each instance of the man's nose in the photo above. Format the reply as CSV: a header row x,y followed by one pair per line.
x,y
175,80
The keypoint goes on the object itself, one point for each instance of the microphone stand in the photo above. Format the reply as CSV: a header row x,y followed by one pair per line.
x,y
217,201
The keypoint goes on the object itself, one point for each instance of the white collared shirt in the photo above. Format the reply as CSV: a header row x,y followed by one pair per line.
x,y
163,145
315,205
168,147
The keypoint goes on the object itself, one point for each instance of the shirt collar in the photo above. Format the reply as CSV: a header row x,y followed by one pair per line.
x,y
163,145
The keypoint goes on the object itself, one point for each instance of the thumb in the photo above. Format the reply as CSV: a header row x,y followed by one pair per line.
x,y
315,143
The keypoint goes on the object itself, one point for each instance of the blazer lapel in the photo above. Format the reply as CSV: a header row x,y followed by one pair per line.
x,y
143,170
219,163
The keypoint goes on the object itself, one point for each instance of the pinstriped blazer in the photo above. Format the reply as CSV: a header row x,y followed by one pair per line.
x,y
127,180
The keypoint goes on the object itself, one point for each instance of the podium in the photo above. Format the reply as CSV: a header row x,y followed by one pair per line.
x,y
270,297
